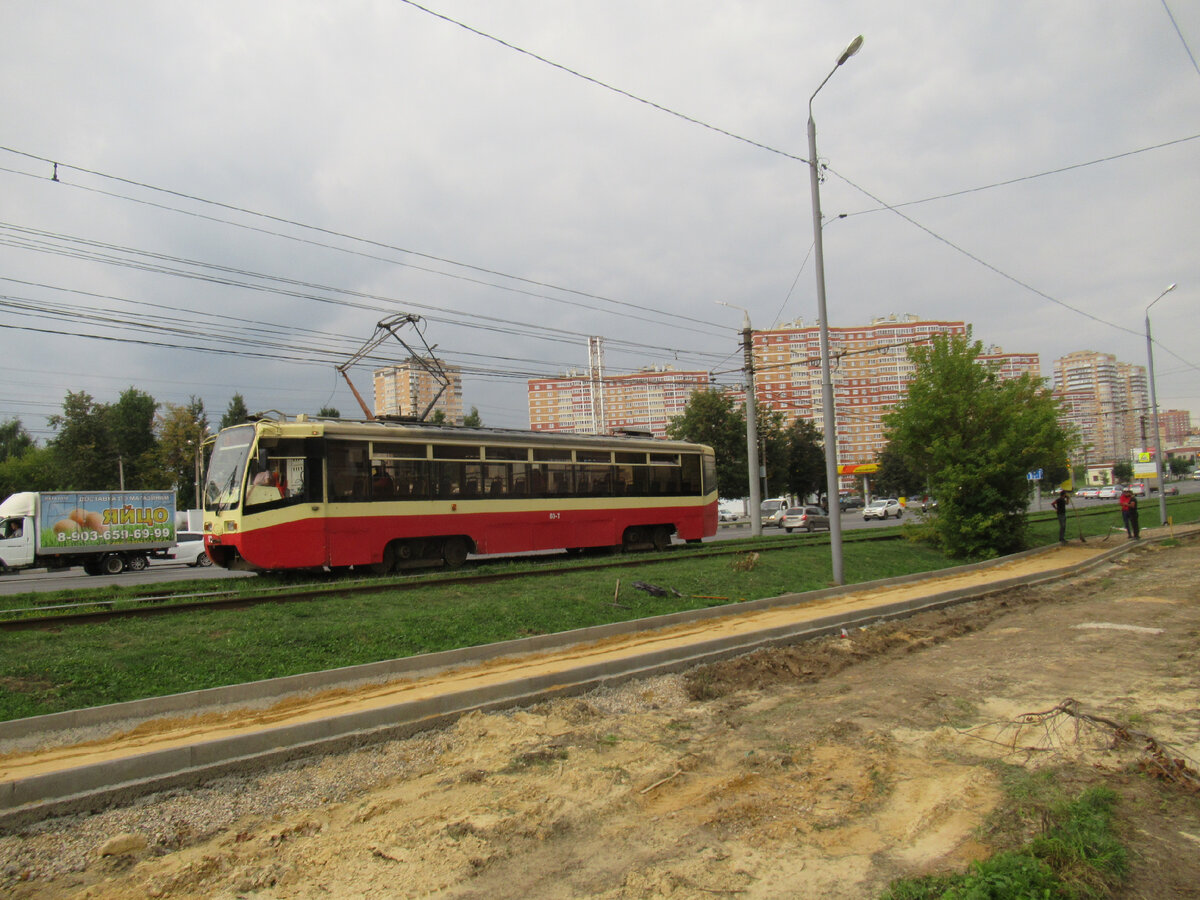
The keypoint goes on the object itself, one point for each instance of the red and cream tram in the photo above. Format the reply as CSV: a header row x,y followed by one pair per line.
x,y
308,493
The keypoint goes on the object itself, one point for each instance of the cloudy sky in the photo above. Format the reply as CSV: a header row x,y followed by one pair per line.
x,y
245,189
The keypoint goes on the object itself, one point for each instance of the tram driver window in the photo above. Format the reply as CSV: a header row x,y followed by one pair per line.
x,y
277,475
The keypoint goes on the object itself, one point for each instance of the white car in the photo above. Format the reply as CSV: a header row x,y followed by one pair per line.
x,y
1109,492
773,511
189,548
883,509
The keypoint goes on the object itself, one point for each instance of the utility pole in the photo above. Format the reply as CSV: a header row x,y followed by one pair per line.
x,y
751,430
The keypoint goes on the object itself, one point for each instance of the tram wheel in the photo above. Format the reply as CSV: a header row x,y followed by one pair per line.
x,y
388,562
454,552
633,540
661,538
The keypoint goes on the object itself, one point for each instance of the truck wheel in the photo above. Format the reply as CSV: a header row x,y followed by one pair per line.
x,y
92,567
137,562
112,565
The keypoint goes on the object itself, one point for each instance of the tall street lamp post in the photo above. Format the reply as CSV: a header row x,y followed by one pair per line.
x,y
830,414
1158,449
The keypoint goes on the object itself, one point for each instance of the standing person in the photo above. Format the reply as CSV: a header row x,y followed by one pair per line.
x,y
1129,514
1059,504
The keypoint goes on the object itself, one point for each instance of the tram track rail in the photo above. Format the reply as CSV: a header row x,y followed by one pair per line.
x,y
90,611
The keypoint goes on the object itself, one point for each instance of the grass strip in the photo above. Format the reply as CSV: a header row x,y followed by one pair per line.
x,y
1074,851
51,670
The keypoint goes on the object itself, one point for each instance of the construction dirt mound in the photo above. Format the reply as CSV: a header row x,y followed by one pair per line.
x,y
821,769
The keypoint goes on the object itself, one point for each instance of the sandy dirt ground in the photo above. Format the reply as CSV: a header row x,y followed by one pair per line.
x,y
824,769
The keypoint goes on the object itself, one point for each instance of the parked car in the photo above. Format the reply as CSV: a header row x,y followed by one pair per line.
x,y
189,548
848,503
1138,489
808,518
1109,492
1088,493
1171,490
883,509
730,510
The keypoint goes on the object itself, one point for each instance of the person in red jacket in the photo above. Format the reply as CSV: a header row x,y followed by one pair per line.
x,y
1129,514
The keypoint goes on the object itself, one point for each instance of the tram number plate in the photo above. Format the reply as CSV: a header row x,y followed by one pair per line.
x,y
555,515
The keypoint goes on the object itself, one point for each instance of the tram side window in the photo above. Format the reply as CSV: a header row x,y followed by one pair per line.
x,y
710,474
552,480
349,472
664,481
594,481
410,478
497,479
690,475
520,479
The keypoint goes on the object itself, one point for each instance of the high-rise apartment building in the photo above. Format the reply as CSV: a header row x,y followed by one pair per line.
x,y
1107,401
1176,425
870,371
645,400
407,388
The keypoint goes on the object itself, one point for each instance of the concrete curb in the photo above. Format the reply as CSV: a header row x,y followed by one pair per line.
x,y
90,787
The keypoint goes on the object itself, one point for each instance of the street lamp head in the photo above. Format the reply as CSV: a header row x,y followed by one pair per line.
x,y
1170,288
851,50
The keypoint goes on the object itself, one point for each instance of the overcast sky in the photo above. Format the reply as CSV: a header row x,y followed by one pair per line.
x,y
245,189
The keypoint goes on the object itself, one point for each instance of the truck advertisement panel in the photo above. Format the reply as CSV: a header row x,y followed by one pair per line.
x,y
75,520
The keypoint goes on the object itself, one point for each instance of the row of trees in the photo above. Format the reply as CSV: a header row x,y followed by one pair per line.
x,y
795,462
963,435
136,442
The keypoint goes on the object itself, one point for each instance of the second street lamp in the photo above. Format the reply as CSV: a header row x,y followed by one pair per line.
x,y
1158,450
829,413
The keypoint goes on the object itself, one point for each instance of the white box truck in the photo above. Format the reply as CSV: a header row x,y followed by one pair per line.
x,y
106,532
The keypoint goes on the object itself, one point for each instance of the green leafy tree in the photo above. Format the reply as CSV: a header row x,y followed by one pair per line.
x,y
14,439
181,434
896,476
1122,472
236,412
329,412
974,436
131,424
774,450
34,470
806,459
711,418
85,454
473,419
1179,465
438,417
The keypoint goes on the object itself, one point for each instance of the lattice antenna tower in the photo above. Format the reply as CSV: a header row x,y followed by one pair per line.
x,y
596,382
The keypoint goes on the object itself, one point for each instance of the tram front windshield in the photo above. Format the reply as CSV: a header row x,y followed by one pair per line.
x,y
223,486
